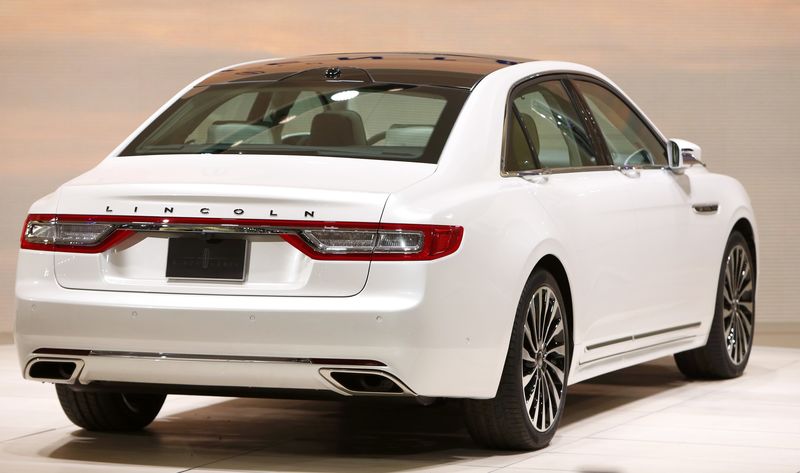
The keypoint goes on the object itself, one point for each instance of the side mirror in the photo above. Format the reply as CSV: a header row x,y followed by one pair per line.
x,y
674,157
682,154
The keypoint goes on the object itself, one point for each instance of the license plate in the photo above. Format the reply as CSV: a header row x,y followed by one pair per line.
x,y
206,258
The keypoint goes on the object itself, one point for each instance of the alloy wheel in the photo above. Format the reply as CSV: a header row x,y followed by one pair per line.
x,y
543,359
737,304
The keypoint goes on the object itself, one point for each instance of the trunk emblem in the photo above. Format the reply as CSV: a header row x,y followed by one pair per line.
x,y
207,211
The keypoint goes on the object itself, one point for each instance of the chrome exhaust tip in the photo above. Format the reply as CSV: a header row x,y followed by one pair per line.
x,y
54,370
365,382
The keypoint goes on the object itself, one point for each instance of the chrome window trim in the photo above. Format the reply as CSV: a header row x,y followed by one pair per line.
x,y
564,170
569,170
568,75
543,76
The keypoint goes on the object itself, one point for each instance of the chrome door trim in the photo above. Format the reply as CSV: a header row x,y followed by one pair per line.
x,y
567,170
640,336
638,349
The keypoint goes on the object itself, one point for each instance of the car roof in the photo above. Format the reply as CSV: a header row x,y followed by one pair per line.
x,y
435,69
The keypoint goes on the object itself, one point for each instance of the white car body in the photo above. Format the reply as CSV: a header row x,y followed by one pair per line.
x,y
641,265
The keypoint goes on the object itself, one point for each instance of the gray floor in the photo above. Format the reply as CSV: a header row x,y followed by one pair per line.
x,y
643,419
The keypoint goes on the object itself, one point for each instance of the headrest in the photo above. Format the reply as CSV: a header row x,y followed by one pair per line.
x,y
408,135
229,132
533,133
339,128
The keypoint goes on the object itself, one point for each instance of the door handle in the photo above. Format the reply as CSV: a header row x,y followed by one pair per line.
x,y
629,171
538,177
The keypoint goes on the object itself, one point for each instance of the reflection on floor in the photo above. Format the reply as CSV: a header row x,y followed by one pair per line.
x,y
643,419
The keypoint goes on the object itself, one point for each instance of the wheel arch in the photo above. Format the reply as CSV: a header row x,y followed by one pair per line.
x,y
745,227
554,266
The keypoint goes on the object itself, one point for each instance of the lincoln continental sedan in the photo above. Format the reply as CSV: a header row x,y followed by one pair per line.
x,y
431,226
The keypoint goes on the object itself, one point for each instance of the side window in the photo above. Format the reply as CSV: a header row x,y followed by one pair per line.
x,y
543,115
629,140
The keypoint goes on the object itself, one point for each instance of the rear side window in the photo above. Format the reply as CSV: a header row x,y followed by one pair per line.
x,y
337,119
630,141
545,131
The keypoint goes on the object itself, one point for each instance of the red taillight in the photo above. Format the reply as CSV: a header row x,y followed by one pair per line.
x,y
78,235
390,242
318,240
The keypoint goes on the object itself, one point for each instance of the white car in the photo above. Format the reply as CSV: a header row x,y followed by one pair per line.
x,y
396,224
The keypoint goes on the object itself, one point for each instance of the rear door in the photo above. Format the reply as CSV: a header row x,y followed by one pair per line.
x,y
590,209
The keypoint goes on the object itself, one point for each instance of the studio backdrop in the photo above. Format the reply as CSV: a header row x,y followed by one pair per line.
x,y
77,76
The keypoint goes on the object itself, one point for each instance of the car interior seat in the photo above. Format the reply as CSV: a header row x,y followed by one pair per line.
x,y
337,128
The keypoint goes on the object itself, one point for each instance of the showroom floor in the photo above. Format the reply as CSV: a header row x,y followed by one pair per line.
x,y
643,419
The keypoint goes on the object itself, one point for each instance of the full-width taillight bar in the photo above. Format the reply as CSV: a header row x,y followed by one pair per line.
x,y
318,240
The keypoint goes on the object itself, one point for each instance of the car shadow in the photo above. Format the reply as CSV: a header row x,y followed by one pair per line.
x,y
363,434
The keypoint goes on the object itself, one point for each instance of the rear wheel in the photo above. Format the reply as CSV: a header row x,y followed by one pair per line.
x,y
525,413
730,339
109,411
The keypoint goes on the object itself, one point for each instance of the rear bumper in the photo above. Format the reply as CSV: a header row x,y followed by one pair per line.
x,y
426,332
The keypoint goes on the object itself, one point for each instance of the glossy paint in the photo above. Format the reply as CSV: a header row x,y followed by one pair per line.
x,y
641,265
451,70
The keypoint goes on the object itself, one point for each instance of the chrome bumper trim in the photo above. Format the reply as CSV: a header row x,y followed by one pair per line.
x,y
66,352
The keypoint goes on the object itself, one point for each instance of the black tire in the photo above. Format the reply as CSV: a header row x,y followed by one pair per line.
x,y
109,411
718,359
505,422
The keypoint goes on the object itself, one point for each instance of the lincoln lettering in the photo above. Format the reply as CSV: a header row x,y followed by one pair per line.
x,y
238,212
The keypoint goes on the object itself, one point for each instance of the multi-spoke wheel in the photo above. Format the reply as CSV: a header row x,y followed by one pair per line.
x,y
543,361
737,304
530,399
730,338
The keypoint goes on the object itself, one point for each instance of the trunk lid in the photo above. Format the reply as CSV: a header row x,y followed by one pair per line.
x,y
293,188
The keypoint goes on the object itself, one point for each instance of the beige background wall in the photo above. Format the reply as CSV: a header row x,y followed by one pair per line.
x,y
77,77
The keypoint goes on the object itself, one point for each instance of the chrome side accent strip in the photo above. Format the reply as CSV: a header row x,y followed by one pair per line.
x,y
609,343
638,349
705,208
639,336
667,330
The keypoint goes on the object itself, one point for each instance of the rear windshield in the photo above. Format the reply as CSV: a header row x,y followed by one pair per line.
x,y
397,122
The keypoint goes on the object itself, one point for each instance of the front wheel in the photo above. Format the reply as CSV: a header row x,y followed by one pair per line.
x,y
527,409
730,339
109,411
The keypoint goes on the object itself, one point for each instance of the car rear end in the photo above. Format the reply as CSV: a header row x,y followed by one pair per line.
x,y
238,243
